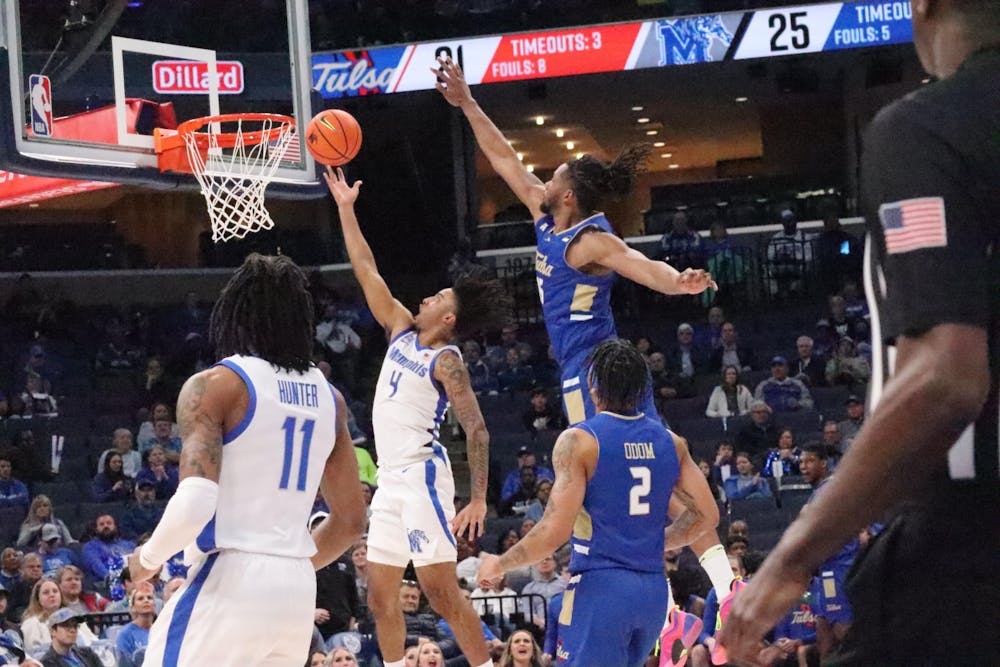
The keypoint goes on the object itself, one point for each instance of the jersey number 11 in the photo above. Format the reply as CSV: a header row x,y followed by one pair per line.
x,y
286,470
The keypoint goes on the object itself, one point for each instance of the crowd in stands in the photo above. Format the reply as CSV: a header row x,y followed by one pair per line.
x,y
89,451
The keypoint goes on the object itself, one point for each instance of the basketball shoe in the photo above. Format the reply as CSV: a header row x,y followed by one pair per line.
x,y
719,656
678,637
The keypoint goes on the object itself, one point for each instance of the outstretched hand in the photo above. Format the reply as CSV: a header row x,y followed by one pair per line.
x,y
695,281
343,194
490,572
471,518
451,82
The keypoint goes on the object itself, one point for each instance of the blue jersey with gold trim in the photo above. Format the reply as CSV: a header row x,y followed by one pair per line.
x,y
625,508
576,306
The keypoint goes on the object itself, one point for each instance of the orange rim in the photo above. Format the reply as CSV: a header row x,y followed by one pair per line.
x,y
228,139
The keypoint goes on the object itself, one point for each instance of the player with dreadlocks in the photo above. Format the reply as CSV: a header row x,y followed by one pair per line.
x,y
413,514
241,517
619,474
578,255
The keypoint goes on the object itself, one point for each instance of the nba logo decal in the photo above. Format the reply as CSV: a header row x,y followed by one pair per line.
x,y
41,104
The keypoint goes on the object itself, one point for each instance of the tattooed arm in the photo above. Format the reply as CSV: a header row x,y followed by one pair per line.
x,y
692,507
450,371
574,458
210,403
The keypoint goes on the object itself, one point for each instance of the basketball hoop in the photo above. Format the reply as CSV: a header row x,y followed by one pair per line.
x,y
233,167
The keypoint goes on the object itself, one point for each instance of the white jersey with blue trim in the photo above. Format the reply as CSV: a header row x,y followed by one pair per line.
x,y
409,403
272,461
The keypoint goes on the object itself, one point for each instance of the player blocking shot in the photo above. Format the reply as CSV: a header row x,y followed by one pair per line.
x,y
619,475
262,431
578,255
413,515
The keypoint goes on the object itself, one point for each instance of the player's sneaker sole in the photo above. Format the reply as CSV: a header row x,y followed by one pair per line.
x,y
678,637
719,656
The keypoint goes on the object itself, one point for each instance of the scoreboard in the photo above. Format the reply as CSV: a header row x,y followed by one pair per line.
x,y
617,47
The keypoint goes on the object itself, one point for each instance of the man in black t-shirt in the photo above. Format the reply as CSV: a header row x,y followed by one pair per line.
x,y
925,592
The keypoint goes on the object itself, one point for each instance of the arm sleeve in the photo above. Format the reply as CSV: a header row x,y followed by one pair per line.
x,y
183,519
907,158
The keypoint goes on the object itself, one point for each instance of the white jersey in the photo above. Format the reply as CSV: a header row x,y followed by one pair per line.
x,y
272,462
409,403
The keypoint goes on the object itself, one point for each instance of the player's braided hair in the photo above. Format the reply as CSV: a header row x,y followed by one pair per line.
x,y
266,310
619,374
482,305
594,181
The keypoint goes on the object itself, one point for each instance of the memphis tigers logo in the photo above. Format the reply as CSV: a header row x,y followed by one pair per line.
x,y
418,539
689,40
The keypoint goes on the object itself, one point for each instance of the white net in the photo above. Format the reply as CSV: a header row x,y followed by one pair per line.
x,y
233,179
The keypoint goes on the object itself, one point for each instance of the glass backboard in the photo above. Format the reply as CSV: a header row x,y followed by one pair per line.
x,y
90,79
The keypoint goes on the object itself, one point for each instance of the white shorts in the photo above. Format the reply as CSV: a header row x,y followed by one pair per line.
x,y
411,514
237,609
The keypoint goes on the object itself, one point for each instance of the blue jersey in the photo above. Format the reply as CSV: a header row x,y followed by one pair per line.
x,y
843,559
576,306
625,507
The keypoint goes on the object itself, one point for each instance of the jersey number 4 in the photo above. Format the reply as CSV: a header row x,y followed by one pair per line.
x,y
286,470
637,506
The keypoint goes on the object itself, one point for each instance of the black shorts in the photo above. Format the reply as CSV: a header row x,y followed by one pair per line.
x,y
927,590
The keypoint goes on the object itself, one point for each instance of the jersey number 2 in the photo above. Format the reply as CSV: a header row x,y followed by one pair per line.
x,y
636,505
286,470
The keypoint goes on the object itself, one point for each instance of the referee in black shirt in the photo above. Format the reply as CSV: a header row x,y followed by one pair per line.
x,y
927,591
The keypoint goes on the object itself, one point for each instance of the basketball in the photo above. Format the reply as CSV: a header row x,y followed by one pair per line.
x,y
333,137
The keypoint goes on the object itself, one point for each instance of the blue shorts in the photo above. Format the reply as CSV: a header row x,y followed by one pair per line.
x,y
830,596
611,617
576,397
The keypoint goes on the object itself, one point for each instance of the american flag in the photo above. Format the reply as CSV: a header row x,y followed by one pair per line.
x,y
294,151
914,224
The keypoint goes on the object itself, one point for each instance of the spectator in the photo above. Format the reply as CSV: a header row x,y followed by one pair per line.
x,y
121,442
526,526
341,657
706,470
792,637
70,580
784,460
839,323
468,561
68,633
730,352
40,514
29,463
496,355
157,471
541,415
514,375
517,502
725,261
34,401
746,484
170,444
159,411
846,366
153,384
112,484
39,363
46,600
838,252
506,540
429,654
512,482
341,344
359,558
464,264
6,625
419,624
143,513
789,256
645,346
855,419
781,392
117,355
337,606
536,508
831,437
480,375
10,567
724,466
13,492
545,582
54,555
686,361
496,612
730,398
760,434
546,371
134,637
666,385
20,592
521,650
681,247
105,555
808,367
855,304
